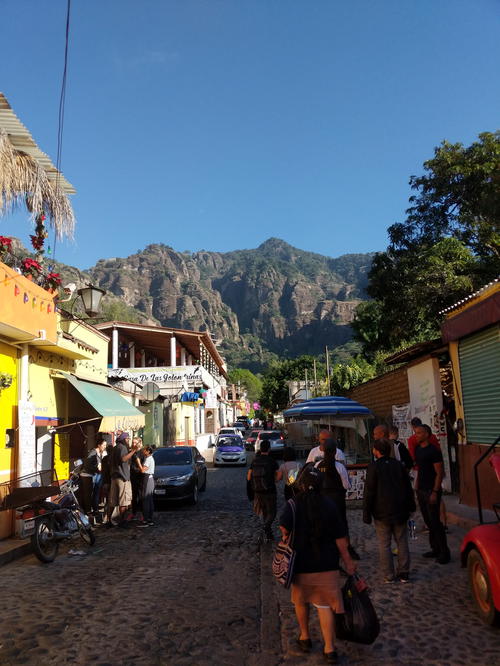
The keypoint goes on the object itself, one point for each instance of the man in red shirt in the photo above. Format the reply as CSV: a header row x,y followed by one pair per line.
x,y
412,441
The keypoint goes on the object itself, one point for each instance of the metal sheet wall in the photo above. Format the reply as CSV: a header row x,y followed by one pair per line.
x,y
480,375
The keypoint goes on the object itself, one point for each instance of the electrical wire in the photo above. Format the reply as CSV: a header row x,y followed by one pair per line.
x,y
62,105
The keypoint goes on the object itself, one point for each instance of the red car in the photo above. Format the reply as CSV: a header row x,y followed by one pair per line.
x,y
480,553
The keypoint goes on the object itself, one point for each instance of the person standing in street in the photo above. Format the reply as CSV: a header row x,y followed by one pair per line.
x,y
318,452
262,476
288,471
121,489
429,461
90,477
335,484
413,439
388,499
399,450
147,487
319,541
137,477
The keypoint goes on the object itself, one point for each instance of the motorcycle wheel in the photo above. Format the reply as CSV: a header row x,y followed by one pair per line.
x,y
86,531
45,546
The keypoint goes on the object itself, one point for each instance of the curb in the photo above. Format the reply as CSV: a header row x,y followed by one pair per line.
x,y
270,625
14,552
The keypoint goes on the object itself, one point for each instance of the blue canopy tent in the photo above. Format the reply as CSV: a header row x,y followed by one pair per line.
x,y
328,412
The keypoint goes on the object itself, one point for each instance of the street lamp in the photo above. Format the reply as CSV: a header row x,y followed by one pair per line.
x,y
91,298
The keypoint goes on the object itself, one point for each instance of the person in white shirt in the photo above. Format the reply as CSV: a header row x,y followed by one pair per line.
x,y
148,485
318,452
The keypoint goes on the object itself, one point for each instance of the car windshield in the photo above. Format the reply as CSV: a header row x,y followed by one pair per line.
x,y
173,455
225,431
229,441
270,435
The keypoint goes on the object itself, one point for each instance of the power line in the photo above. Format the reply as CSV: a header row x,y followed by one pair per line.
x,y
62,105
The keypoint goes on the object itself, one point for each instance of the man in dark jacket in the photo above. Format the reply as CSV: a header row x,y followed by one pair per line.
x,y
388,498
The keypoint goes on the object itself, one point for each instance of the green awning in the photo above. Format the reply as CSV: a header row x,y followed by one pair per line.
x,y
117,413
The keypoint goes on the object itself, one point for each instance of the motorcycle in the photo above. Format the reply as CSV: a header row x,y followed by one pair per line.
x,y
58,518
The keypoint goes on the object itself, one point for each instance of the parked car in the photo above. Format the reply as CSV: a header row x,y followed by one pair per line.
x,y
180,473
240,425
230,450
251,439
276,440
480,553
230,431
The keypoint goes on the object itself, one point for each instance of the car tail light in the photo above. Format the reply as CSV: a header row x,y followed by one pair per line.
x,y
28,513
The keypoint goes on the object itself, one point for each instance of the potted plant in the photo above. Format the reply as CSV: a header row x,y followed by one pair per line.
x,y
51,282
30,268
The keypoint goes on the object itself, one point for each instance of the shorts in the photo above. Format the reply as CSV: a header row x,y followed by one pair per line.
x,y
120,493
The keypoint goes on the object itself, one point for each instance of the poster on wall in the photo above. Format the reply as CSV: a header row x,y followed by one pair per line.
x,y
27,435
401,418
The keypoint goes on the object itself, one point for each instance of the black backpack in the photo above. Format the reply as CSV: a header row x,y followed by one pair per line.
x,y
263,475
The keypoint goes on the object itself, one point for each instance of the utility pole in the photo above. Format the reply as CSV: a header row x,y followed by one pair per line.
x,y
315,378
307,386
327,369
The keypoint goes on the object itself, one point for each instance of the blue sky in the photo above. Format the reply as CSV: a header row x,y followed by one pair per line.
x,y
215,124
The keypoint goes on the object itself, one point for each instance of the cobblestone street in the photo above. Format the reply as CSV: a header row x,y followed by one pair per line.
x,y
197,589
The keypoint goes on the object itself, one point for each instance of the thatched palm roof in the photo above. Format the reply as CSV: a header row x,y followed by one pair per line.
x,y
28,177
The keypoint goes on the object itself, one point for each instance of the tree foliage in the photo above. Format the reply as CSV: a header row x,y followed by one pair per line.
x,y
248,380
448,246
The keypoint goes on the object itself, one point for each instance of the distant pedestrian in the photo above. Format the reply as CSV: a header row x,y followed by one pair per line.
x,y
262,475
388,499
317,452
335,484
147,486
288,471
430,475
137,477
121,490
319,540
399,450
90,477
413,440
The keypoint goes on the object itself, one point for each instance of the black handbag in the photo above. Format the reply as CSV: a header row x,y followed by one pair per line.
x,y
284,555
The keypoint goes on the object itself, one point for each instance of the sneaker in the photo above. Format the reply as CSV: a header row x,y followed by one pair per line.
x,y
150,523
331,657
404,578
429,554
389,579
142,524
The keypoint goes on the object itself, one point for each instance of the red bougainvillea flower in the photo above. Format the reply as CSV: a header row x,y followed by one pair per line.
x,y
6,242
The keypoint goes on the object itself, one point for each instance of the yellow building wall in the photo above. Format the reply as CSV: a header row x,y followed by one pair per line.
x,y
26,306
8,419
184,423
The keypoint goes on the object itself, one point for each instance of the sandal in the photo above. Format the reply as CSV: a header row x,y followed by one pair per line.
x,y
331,657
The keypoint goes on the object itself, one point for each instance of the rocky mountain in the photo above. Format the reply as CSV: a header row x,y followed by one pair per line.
x,y
275,299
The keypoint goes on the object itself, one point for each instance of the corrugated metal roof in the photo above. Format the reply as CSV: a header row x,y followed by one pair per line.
x,y
21,139
465,300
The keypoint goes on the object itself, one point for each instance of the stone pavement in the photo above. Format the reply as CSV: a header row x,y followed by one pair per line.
x,y
197,589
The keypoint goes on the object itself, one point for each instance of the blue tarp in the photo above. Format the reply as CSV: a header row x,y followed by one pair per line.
x,y
328,405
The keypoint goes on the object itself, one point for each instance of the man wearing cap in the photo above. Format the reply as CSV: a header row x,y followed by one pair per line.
x,y
120,494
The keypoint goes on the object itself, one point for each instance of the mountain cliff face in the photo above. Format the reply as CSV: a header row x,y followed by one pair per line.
x,y
274,298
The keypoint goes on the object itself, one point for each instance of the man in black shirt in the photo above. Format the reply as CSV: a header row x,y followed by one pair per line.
x,y
262,475
429,461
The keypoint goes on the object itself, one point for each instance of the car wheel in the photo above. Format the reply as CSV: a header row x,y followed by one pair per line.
x,y
204,486
481,588
194,496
